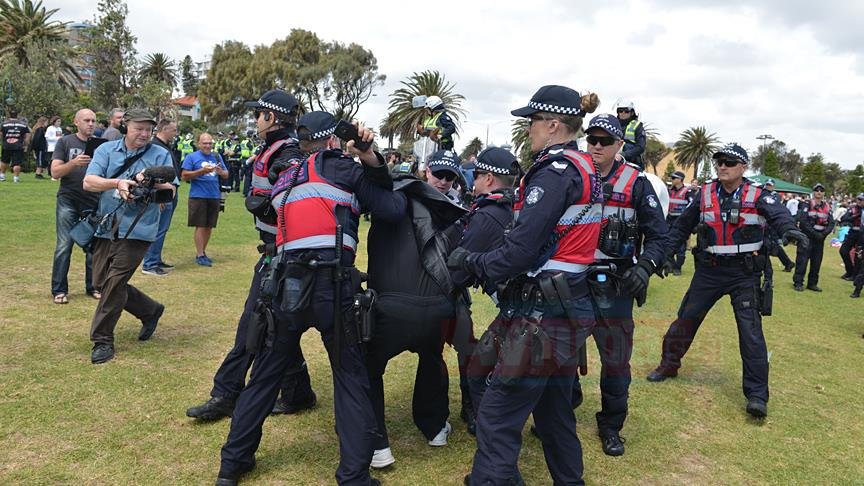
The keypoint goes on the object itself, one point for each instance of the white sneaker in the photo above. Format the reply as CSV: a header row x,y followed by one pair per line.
x,y
382,458
16,179
441,439
2,177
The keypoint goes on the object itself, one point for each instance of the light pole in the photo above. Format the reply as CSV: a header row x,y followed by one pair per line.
x,y
765,137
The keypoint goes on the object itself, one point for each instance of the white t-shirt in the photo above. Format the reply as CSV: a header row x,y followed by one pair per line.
x,y
792,206
52,135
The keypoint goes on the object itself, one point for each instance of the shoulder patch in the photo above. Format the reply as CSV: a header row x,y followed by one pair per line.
x,y
652,201
769,199
559,165
534,195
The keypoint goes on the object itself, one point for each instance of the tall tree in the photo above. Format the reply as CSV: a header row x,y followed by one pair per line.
x,y
189,81
694,148
36,92
403,117
855,180
771,165
473,148
670,169
112,47
225,88
833,175
814,171
159,67
655,150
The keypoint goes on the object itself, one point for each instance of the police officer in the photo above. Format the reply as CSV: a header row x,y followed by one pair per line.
x,y
546,312
815,220
437,124
276,116
313,198
631,242
680,196
635,140
773,241
852,219
730,224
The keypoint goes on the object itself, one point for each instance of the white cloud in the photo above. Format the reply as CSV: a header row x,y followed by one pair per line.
x,y
791,68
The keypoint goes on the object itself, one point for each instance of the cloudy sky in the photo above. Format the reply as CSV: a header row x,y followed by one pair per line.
x,y
793,69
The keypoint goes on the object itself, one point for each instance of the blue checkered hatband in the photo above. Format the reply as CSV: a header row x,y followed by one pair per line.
x,y
271,106
490,168
564,110
323,133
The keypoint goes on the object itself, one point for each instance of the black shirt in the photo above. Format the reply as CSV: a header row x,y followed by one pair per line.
x,y
72,184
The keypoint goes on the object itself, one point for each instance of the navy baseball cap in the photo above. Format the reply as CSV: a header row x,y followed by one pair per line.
x,y
860,197
733,150
678,175
552,99
316,125
769,182
444,160
608,123
818,185
275,100
498,161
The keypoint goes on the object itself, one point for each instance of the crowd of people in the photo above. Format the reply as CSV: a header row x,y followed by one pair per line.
x,y
564,249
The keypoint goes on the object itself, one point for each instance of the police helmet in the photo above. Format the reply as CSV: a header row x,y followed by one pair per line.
x,y
434,102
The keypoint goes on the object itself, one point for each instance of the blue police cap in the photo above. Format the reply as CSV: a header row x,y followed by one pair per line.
x,y
608,123
552,99
678,175
444,160
316,125
498,161
769,182
860,197
733,150
818,185
275,100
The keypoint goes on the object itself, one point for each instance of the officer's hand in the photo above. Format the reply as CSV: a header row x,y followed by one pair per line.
x,y
458,259
665,269
368,157
635,279
277,168
800,238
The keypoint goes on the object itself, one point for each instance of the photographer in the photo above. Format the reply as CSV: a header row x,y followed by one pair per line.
x,y
203,168
129,203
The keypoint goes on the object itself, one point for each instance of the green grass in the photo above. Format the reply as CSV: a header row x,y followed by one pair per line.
x,y
63,420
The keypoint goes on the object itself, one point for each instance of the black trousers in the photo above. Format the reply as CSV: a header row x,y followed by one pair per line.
x,y
813,255
416,324
681,251
230,378
709,284
849,243
114,263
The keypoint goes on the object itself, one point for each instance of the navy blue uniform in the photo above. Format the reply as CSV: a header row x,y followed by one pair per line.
x,y
355,422
485,226
448,129
817,228
852,219
613,333
676,206
549,189
773,243
737,275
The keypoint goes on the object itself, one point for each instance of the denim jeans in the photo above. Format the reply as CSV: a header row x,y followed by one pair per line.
x,y
154,255
69,211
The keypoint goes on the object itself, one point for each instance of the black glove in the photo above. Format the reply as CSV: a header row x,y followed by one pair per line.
x,y
277,167
665,269
800,238
635,279
458,259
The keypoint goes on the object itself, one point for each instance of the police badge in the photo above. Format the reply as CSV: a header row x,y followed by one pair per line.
x,y
534,195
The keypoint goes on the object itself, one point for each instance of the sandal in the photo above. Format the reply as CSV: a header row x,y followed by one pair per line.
x,y
61,299
95,294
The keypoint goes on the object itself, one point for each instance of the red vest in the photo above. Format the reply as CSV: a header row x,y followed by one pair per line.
x,y
621,201
729,237
576,249
260,184
307,216
678,200
819,216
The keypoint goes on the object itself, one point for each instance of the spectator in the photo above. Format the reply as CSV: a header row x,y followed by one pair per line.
x,y
53,133
792,205
39,146
201,168
166,132
100,128
69,165
16,135
119,248
113,130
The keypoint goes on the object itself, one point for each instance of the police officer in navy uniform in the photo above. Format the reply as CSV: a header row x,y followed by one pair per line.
x,y
852,219
546,312
313,196
729,219
773,241
632,239
635,140
680,196
276,113
816,221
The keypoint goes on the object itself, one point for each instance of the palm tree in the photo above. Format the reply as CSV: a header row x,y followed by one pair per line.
x,y
160,67
403,118
474,147
695,147
22,24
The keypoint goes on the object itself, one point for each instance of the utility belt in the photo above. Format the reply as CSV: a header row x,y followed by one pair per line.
x,y
536,296
747,261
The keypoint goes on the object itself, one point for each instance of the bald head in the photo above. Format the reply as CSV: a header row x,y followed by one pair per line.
x,y
85,121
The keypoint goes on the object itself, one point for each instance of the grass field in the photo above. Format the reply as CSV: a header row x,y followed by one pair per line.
x,y
63,420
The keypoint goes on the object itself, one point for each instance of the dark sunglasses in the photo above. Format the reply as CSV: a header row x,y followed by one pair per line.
x,y
444,174
536,118
727,162
818,190
603,141
623,110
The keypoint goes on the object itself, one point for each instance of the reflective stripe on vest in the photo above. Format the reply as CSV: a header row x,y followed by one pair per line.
x,y
260,183
630,132
307,216
555,265
431,123
724,232
678,201
734,249
620,202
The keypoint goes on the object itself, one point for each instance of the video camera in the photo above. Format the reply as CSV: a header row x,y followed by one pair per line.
x,y
145,192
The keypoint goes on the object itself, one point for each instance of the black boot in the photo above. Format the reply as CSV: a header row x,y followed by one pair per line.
x,y
613,444
213,409
467,413
856,293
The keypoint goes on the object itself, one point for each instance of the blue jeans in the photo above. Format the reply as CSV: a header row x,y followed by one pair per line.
x,y
154,255
69,211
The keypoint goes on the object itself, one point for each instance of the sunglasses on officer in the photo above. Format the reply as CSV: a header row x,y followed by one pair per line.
x,y
727,162
536,118
623,110
444,175
602,141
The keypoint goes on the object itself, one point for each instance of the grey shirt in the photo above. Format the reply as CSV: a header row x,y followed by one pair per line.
x,y
72,184
111,133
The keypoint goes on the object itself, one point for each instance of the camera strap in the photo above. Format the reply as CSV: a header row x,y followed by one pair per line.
x,y
130,161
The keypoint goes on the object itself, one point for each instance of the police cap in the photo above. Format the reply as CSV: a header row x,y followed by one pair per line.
x,y
608,123
678,175
316,125
498,161
552,99
444,160
275,100
818,185
733,150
